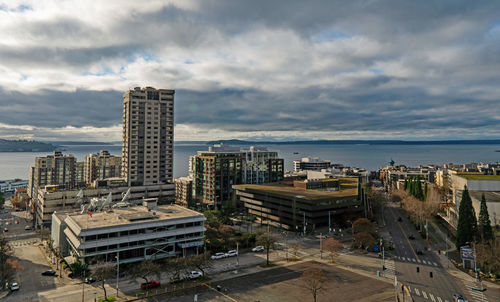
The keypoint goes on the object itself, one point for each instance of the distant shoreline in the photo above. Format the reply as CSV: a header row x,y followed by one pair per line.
x,y
358,142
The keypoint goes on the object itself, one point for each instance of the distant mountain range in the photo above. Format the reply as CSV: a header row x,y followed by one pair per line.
x,y
358,142
25,146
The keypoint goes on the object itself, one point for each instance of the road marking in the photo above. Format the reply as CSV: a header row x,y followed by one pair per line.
x,y
439,299
404,259
413,259
419,261
417,291
435,264
424,294
432,297
424,262
407,240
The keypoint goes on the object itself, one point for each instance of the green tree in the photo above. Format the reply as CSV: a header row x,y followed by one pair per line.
x,y
467,223
2,200
78,268
484,223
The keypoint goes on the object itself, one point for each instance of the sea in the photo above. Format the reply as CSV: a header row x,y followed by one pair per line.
x,y
371,157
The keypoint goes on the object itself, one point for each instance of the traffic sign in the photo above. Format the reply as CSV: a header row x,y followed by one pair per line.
x,y
479,289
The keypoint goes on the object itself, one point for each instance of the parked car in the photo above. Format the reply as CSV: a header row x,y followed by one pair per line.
x,y
194,275
419,252
232,253
218,256
399,219
5,229
459,298
411,237
27,228
49,273
258,248
90,280
150,284
14,286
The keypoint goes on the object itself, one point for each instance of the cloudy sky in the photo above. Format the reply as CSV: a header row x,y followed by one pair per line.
x,y
257,69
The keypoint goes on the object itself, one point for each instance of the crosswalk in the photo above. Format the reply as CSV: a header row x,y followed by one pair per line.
x,y
475,295
426,262
390,268
24,242
426,295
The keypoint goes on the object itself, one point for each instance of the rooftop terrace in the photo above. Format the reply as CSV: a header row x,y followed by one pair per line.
x,y
479,177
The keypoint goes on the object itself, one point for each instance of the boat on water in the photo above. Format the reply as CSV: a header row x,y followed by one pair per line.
x,y
497,150
298,152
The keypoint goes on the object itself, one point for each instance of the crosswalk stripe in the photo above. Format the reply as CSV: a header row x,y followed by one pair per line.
x,y
413,259
432,297
439,299
419,261
424,294
435,264
417,292
403,258
424,262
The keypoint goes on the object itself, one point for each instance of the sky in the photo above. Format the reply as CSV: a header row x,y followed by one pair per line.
x,y
256,70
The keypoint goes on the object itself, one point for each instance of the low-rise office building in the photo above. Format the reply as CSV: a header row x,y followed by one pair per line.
x,y
51,199
291,206
132,234
310,163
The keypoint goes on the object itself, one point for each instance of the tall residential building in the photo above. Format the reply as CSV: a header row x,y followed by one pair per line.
x,y
215,171
101,166
310,163
56,169
184,191
79,175
148,136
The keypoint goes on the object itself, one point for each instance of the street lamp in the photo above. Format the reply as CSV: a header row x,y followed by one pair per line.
x,y
117,271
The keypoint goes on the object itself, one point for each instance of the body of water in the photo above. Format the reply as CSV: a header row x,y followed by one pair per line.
x,y
370,157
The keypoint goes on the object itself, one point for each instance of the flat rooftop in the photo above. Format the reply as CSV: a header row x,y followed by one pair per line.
x,y
348,188
479,177
137,214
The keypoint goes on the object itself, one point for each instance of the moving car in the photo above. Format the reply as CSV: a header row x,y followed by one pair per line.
x,y
14,286
90,280
399,219
218,256
49,273
27,228
150,284
232,253
411,237
419,252
258,248
194,275
459,298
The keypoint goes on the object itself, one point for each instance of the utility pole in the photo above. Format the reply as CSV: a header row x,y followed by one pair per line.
x,y
117,271
304,223
329,222
237,254
83,287
321,245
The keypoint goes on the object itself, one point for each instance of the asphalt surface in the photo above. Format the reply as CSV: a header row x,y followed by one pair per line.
x,y
415,270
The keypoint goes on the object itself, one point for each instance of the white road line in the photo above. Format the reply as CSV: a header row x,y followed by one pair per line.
x,y
424,262
413,259
419,261
417,292
409,289
424,294
432,297
439,299
435,264
403,258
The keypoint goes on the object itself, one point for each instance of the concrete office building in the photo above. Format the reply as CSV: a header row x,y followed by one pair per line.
x,y
56,169
148,136
133,234
101,166
79,175
290,206
310,163
52,199
261,166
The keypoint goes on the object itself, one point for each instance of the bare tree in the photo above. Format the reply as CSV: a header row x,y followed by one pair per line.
x,y
8,266
102,272
268,241
145,269
363,225
313,280
332,246
295,248
201,262
364,240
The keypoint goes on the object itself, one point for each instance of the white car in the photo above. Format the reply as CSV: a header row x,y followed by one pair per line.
x,y
232,253
218,256
258,248
14,286
194,275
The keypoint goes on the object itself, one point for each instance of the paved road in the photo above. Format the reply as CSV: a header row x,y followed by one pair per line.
x,y
415,270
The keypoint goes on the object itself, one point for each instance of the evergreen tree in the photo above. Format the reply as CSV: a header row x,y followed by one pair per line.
x,y
467,223
406,184
484,223
419,193
425,191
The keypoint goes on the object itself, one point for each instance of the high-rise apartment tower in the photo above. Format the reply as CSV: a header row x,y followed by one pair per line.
x,y
148,136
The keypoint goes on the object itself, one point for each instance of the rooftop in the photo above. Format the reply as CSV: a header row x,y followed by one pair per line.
x,y
348,188
479,176
130,215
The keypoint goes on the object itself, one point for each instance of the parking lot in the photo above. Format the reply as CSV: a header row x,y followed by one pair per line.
x,y
284,284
